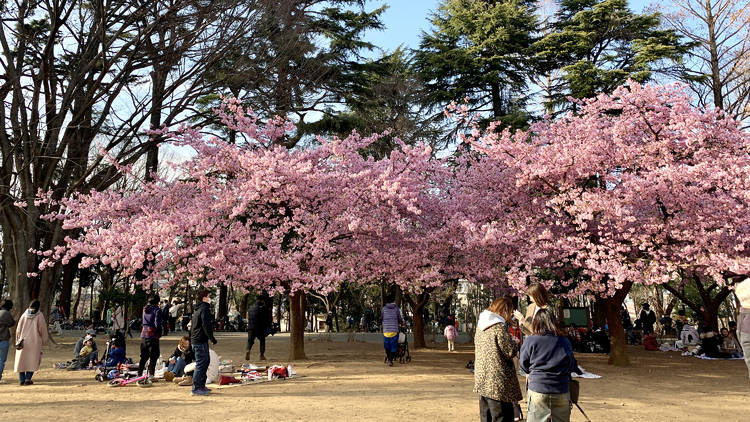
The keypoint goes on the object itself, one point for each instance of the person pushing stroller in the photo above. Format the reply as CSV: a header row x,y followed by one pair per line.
x,y
392,319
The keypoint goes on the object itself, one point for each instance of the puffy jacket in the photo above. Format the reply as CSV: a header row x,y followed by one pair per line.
x,y
202,325
153,322
391,318
257,319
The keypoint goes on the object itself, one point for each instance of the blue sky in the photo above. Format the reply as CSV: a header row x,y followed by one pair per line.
x,y
405,20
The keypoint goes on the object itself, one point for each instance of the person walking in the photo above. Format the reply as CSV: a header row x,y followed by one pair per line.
x,y
201,331
495,377
450,334
31,336
392,319
6,321
258,325
548,358
152,330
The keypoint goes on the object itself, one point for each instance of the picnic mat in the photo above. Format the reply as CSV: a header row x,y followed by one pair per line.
x,y
248,382
708,358
586,374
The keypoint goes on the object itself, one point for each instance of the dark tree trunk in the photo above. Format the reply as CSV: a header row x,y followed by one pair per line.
x,y
66,293
599,317
222,302
298,303
708,308
243,305
417,308
618,354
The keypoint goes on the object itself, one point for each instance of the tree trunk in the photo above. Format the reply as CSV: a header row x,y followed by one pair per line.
x,y
417,309
74,314
599,317
243,304
66,293
297,329
618,353
222,302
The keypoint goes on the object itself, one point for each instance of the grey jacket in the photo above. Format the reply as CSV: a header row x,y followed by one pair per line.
x,y
6,321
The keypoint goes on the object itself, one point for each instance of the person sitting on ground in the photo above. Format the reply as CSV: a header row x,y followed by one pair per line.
x,y
450,336
575,337
181,357
392,319
85,352
729,345
116,355
710,344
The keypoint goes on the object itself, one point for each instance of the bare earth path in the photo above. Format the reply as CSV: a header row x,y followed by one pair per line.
x,y
348,382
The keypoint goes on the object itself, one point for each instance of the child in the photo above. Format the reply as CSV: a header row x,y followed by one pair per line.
x,y
116,355
450,335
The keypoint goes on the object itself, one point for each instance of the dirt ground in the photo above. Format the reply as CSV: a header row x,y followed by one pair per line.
x,y
348,382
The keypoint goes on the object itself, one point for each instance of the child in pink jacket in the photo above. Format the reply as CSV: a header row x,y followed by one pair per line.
x,y
450,335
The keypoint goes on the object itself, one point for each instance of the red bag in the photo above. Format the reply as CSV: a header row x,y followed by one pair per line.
x,y
225,380
649,342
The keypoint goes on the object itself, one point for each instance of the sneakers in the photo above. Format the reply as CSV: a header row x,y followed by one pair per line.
x,y
200,392
169,376
390,363
262,357
2,381
29,382
186,381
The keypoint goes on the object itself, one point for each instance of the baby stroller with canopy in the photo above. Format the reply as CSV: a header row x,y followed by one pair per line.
x,y
402,351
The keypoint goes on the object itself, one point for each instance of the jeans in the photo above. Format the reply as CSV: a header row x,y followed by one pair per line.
x,y
24,376
177,367
548,407
491,410
149,352
251,336
745,343
202,358
4,346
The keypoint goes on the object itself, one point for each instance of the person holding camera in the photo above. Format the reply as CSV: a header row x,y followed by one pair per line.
x,y
201,331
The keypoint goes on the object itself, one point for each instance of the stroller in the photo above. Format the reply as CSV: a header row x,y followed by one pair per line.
x,y
402,351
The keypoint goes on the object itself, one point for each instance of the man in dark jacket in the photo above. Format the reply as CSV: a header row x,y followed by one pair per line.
x,y
6,321
258,325
648,319
151,331
201,331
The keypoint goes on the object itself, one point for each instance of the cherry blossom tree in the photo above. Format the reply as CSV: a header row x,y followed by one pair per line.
x,y
257,215
634,188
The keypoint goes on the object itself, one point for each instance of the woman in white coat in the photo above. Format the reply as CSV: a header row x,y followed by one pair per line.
x,y
32,331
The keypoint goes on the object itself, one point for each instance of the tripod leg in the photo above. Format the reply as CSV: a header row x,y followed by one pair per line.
x,y
584,413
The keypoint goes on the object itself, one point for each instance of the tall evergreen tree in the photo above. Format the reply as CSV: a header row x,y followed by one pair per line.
x,y
599,44
300,59
480,50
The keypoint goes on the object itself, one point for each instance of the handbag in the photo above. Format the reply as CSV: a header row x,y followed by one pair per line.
x,y
19,344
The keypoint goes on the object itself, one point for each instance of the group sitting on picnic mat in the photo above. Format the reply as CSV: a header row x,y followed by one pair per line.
x,y
544,355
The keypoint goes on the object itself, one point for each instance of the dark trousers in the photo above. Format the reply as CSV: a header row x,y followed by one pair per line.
x,y
494,411
202,359
149,352
251,336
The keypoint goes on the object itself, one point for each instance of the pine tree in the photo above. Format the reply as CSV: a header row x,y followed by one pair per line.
x,y
599,45
480,50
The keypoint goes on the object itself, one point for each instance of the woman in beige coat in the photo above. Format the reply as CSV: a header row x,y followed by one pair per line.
x,y
495,377
32,330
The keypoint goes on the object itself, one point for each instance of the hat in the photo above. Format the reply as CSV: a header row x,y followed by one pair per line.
x,y
87,338
91,332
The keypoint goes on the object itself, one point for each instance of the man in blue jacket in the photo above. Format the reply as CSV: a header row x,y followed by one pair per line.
x,y
201,331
